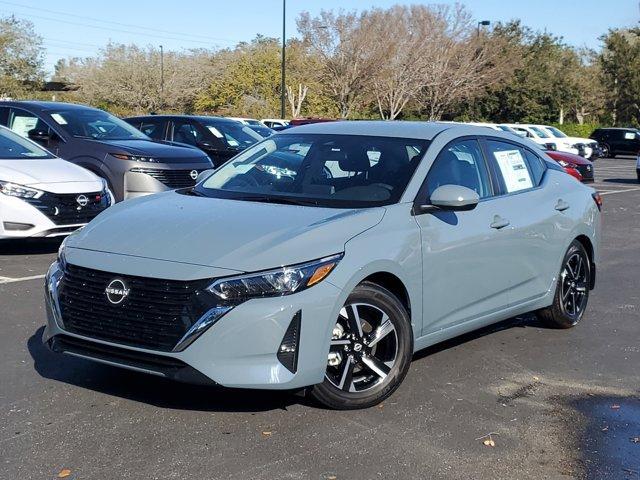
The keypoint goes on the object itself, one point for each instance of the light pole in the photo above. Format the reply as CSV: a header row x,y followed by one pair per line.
x,y
283,62
161,76
483,23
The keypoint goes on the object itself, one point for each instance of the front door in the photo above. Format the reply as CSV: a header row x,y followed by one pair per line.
x,y
465,265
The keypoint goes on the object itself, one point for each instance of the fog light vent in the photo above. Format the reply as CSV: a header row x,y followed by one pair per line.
x,y
15,226
288,350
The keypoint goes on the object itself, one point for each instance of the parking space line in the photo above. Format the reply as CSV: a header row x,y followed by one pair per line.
x,y
20,279
620,191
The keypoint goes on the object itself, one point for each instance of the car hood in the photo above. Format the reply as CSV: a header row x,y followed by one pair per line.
x,y
568,157
45,171
230,234
155,149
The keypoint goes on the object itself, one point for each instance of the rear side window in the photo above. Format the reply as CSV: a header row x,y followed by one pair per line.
x,y
22,122
511,166
153,128
460,163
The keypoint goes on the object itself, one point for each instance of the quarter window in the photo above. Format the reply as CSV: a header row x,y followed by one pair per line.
x,y
536,167
460,163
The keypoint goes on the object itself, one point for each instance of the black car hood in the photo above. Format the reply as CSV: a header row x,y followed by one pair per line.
x,y
151,148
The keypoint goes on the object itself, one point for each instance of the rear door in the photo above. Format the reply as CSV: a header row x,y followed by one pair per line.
x,y
533,206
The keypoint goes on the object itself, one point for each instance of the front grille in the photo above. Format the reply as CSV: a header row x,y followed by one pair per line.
x,y
154,315
68,209
171,178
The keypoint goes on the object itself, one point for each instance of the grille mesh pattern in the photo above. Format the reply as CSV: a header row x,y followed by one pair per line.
x,y
155,315
64,209
171,178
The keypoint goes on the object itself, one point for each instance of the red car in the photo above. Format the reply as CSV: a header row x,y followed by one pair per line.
x,y
575,165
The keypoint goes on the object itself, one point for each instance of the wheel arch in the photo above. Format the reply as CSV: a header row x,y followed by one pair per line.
x,y
585,241
394,284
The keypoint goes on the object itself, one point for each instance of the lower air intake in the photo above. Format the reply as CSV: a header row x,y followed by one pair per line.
x,y
288,351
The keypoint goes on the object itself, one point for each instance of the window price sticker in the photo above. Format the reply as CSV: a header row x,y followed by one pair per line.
x,y
514,170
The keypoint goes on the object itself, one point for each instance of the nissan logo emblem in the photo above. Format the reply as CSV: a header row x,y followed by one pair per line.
x,y
82,200
193,174
116,291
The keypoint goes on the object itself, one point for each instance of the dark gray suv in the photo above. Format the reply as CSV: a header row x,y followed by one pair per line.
x,y
132,163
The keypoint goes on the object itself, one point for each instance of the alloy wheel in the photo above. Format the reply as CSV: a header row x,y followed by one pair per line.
x,y
364,348
574,286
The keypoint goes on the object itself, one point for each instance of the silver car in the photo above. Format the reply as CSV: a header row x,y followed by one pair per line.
x,y
325,256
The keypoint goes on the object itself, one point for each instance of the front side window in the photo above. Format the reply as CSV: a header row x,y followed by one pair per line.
x,y
511,166
540,132
345,171
460,163
14,147
556,133
95,124
22,122
186,132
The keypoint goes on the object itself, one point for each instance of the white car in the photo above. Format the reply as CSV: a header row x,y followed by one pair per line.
x,y
590,146
498,127
275,122
42,195
542,137
248,121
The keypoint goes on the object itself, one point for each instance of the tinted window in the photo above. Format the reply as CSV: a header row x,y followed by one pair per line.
x,y
185,132
152,127
13,146
22,122
324,170
511,166
233,134
460,163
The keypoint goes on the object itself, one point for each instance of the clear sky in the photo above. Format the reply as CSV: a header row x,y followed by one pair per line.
x,y
80,28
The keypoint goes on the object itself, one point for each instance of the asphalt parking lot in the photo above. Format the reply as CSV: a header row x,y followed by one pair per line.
x,y
556,404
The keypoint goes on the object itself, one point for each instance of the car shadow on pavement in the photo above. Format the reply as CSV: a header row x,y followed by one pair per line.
x,y
522,321
152,390
630,181
30,246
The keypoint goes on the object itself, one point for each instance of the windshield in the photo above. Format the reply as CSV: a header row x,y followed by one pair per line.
x,y
262,131
344,171
556,133
539,132
95,124
234,134
14,147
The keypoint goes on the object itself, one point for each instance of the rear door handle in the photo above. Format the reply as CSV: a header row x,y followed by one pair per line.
x,y
499,222
561,206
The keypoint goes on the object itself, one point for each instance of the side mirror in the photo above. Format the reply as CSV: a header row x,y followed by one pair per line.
x,y
38,135
203,175
452,197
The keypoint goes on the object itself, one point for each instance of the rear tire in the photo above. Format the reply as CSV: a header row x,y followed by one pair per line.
x,y
370,353
572,290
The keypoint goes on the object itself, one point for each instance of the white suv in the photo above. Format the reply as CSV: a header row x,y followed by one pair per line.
x,y
587,146
42,195
541,136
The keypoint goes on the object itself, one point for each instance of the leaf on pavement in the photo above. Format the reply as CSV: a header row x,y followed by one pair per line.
x,y
64,473
489,442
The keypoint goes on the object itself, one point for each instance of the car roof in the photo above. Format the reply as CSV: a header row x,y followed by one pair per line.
x,y
381,128
45,106
197,117
616,128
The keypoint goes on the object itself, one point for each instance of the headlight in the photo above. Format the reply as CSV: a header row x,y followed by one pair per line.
x,y
20,191
551,146
133,158
273,283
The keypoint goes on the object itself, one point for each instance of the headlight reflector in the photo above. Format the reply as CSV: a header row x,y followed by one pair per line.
x,y
20,191
273,283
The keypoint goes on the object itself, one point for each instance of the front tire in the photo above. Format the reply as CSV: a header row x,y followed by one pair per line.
x,y
370,352
572,290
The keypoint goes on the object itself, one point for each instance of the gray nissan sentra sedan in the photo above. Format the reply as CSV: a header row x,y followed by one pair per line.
x,y
325,256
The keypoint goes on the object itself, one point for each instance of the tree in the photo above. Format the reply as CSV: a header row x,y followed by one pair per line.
x,y
345,57
128,78
21,57
620,62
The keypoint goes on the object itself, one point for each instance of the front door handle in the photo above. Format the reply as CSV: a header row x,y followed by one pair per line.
x,y
499,222
561,206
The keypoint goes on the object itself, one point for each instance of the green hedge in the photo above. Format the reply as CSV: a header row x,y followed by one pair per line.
x,y
577,130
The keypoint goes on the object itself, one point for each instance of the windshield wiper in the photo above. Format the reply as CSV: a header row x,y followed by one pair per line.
x,y
281,200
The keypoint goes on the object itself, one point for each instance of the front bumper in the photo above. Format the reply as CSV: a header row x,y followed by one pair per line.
x,y
239,350
20,219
